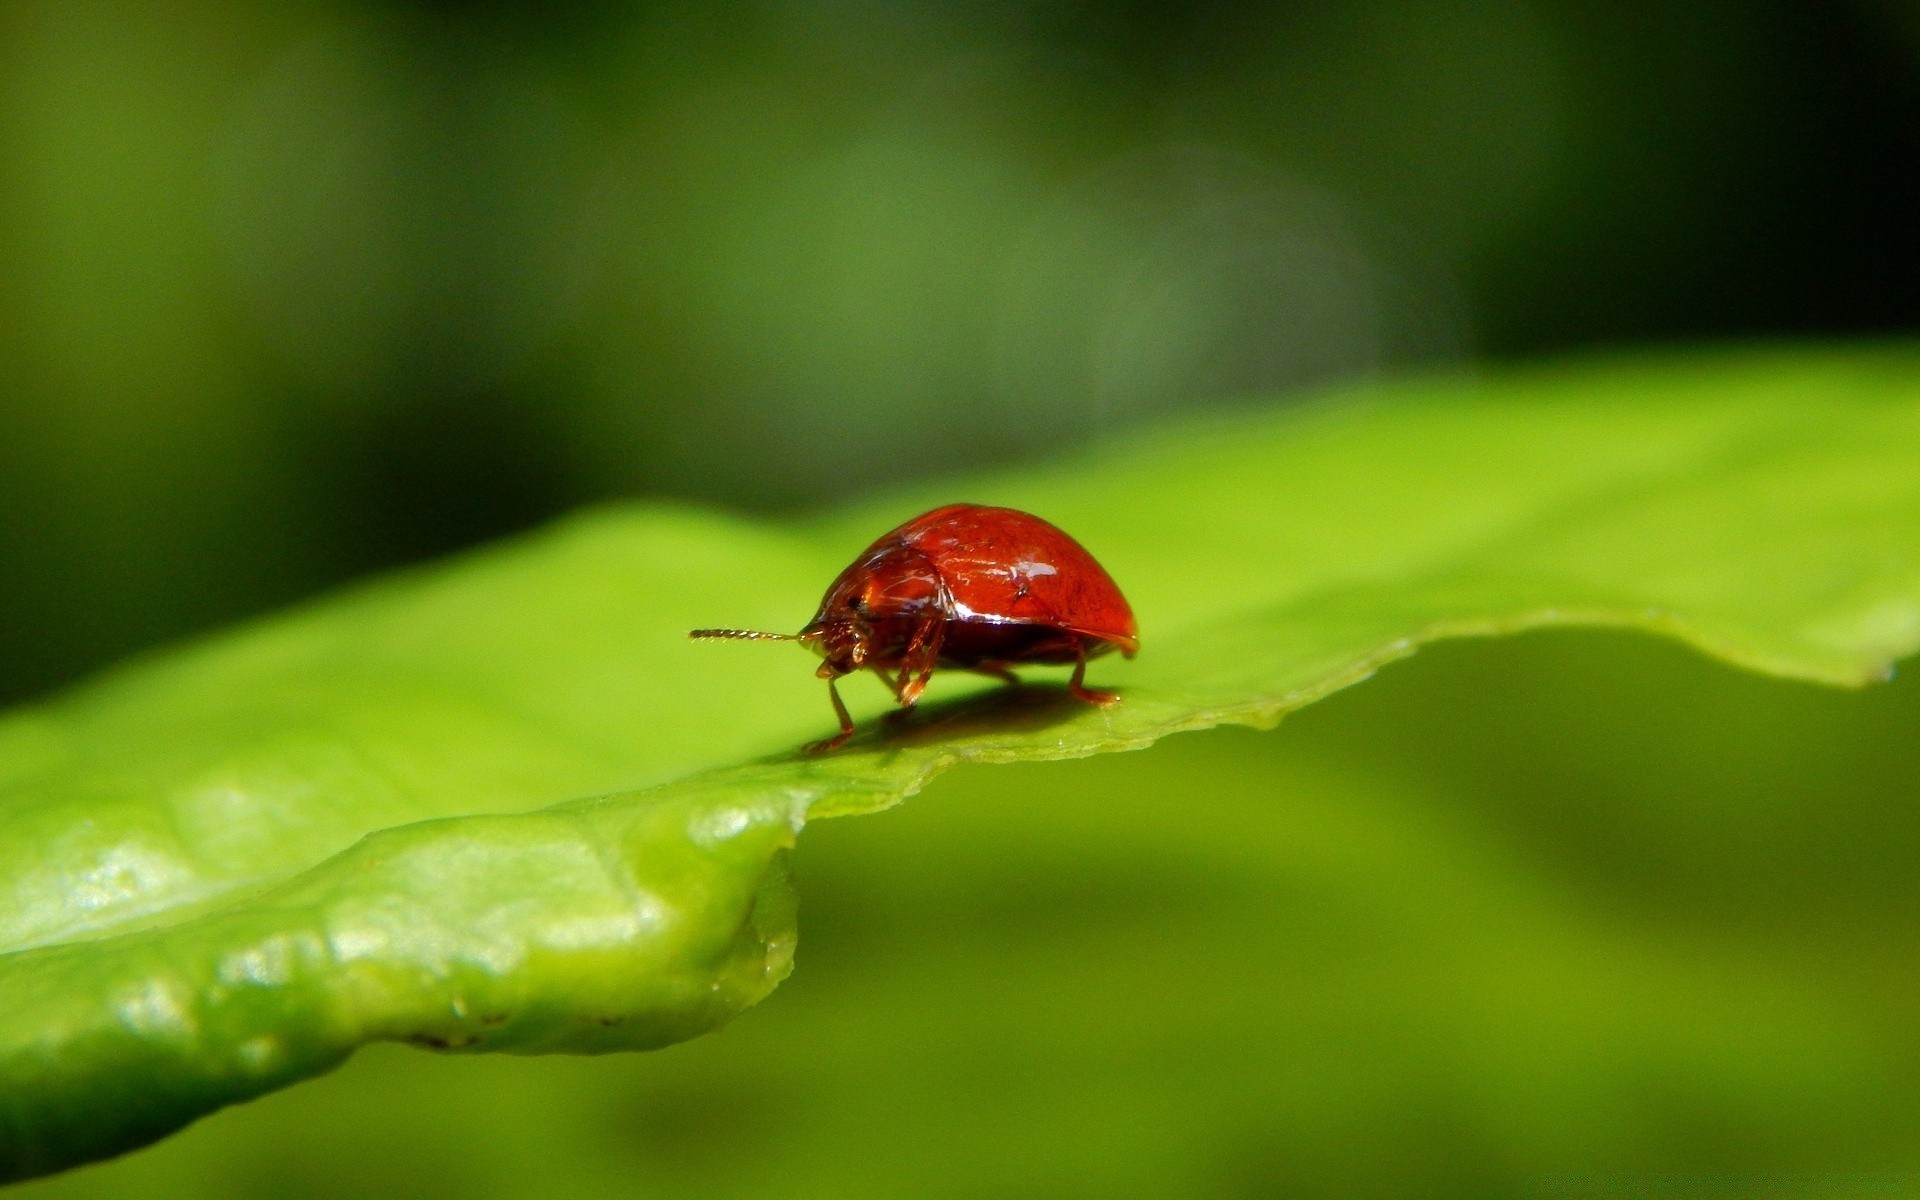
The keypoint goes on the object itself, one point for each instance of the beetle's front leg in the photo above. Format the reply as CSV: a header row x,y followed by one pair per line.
x,y
846,722
918,659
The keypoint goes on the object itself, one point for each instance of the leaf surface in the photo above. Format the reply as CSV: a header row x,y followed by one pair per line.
x,y
503,804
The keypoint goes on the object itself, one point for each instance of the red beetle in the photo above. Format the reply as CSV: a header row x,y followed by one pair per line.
x,y
968,586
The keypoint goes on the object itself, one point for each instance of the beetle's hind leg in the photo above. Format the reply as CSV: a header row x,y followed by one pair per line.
x,y
1077,685
996,670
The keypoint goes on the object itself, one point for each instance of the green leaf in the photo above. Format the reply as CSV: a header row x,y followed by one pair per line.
x,y
1574,911
503,804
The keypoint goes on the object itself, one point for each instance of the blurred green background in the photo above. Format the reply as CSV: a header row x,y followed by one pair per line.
x,y
294,291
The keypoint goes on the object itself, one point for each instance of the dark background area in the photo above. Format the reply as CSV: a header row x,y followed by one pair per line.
x,y
290,293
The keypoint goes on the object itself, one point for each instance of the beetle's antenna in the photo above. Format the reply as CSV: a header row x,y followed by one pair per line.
x,y
745,635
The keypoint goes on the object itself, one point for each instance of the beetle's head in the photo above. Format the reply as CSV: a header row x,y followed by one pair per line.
x,y
843,640
887,583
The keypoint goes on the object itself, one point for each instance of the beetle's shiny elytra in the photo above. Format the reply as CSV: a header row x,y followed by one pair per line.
x,y
966,586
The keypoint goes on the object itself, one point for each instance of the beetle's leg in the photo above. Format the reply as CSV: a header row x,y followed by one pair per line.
x,y
846,723
1077,685
917,661
895,684
994,670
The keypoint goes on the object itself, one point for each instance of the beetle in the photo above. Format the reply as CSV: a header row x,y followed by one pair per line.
x,y
967,586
